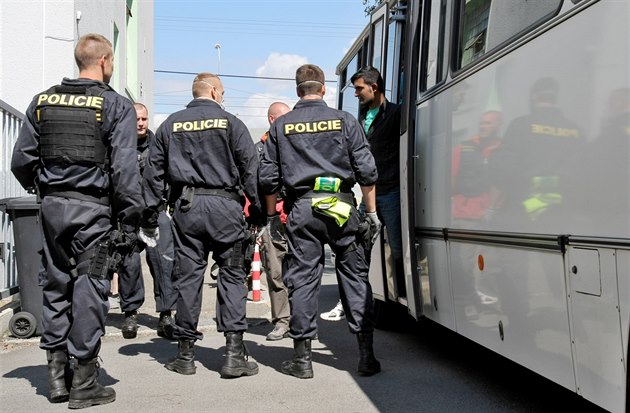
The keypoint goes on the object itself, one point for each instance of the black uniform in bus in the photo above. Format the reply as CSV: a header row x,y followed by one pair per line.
x,y
314,141
206,155
78,146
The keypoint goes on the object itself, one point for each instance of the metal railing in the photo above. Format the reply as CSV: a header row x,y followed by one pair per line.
x,y
10,122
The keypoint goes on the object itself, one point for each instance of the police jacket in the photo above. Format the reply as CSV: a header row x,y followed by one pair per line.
x,y
313,141
383,136
114,173
142,149
202,146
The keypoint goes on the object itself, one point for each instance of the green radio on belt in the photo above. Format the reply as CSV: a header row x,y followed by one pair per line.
x,y
327,184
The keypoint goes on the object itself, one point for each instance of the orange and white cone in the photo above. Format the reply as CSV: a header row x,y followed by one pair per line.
x,y
256,274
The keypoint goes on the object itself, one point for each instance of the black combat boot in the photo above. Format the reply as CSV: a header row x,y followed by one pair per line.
x,y
86,391
184,363
301,365
59,376
130,325
165,325
236,363
368,364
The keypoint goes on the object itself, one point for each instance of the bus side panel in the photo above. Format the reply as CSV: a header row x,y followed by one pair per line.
x,y
597,326
377,280
437,299
623,280
513,301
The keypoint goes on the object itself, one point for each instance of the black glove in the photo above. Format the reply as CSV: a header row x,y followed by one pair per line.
x,y
375,225
369,230
257,217
275,228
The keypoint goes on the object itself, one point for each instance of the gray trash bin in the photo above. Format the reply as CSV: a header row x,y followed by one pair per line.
x,y
24,214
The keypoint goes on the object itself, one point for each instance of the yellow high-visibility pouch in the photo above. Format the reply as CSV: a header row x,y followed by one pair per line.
x,y
334,208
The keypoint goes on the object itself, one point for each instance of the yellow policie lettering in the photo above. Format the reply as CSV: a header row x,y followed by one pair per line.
x,y
554,131
77,101
313,127
199,125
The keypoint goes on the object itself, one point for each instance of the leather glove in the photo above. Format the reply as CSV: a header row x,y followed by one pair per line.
x,y
375,225
275,228
149,236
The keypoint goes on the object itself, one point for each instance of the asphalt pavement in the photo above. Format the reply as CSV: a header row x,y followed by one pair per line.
x,y
135,367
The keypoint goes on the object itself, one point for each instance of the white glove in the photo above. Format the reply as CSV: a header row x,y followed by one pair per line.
x,y
149,236
375,225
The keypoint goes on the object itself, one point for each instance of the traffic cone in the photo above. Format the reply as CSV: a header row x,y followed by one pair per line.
x,y
256,274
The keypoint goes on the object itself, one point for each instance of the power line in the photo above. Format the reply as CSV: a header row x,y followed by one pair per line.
x,y
174,72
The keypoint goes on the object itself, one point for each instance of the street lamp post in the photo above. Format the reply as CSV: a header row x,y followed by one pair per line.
x,y
218,47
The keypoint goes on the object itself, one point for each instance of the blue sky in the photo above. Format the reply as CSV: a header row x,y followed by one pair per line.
x,y
268,38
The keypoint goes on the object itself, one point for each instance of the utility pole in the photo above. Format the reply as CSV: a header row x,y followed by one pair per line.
x,y
218,47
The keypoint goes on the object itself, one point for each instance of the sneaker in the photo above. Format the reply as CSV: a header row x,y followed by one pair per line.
x,y
278,333
165,326
130,325
335,314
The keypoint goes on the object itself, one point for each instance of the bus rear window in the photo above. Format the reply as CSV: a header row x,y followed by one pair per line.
x,y
486,24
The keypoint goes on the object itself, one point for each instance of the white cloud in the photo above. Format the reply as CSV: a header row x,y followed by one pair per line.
x,y
158,119
346,49
254,114
175,92
280,65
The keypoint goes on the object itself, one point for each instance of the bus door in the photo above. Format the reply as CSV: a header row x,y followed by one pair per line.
x,y
386,46
593,277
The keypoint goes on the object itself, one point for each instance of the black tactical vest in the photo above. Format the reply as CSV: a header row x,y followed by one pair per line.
x,y
70,119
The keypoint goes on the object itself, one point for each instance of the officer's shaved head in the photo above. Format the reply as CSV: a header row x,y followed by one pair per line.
x,y
277,109
204,83
90,48
140,106
310,80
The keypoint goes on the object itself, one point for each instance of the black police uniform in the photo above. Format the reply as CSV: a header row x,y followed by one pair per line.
x,y
204,148
159,258
78,146
313,141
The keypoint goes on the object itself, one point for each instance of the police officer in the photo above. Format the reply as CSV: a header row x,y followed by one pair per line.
x,y
208,156
77,147
159,258
318,154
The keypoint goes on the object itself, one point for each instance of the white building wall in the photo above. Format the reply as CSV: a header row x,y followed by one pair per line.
x,y
37,40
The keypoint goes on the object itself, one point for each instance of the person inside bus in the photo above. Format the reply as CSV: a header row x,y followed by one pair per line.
x,y
536,175
473,201
380,119
606,159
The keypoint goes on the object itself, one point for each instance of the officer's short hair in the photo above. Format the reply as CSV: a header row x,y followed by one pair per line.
x,y
203,84
139,105
370,75
309,79
90,48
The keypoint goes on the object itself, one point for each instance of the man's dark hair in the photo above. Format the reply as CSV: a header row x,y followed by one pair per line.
x,y
370,76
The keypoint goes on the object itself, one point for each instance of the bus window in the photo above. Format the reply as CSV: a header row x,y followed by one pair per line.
x,y
377,45
486,24
348,102
433,66
393,74
389,67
